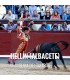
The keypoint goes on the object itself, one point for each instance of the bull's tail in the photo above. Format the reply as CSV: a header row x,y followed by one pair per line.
x,y
63,43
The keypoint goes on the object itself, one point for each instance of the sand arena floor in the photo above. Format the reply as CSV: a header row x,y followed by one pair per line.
x,y
32,67
28,69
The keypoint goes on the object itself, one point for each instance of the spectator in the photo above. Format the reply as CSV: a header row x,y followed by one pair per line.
x,y
65,8
49,7
10,16
2,26
2,11
41,8
48,15
30,25
20,10
55,27
23,9
68,27
18,28
55,16
64,16
31,9
35,15
59,9
64,27
25,15
68,12
10,26
41,11
44,27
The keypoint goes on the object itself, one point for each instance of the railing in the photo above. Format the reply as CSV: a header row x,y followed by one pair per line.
x,y
25,23
6,21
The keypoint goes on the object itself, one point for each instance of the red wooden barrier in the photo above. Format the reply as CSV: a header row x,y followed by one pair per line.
x,y
9,41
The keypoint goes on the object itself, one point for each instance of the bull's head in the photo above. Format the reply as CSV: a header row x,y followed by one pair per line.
x,y
36,49
33,50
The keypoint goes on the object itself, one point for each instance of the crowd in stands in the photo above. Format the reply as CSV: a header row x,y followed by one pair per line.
x,y
36,12
48,12
49,27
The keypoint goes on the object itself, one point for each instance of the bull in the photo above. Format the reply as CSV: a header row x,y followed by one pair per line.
x,y
51,47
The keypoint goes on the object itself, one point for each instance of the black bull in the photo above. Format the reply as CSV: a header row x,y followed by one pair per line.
x,y
51,47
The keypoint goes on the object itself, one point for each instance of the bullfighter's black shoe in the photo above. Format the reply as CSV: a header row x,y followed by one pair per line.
x,y
13,62
8,62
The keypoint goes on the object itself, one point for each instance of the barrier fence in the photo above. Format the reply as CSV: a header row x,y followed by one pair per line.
x,y
9,41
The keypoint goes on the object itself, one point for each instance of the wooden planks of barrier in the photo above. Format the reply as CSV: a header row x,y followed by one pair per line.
x,y
9,41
